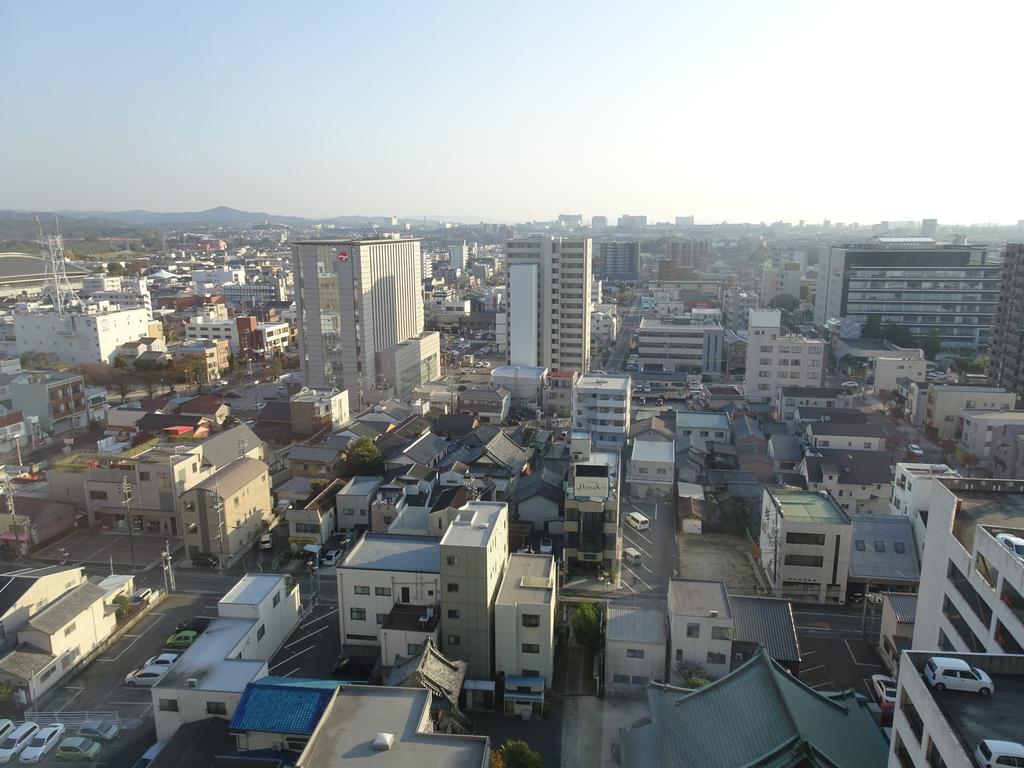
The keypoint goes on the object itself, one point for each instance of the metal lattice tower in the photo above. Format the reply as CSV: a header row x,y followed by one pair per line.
x,y
58,286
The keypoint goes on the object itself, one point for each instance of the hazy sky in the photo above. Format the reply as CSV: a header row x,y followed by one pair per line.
x,y
728,110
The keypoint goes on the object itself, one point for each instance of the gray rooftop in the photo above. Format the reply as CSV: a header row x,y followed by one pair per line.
x,y
767,621
695,597
361,485
314,453
784,448
476,524
206,660
358,713
653,450
253,588
883,550
642,625
227,481
850,467
840,429
25,662
904,606
65,608
528,579
702,420
391,552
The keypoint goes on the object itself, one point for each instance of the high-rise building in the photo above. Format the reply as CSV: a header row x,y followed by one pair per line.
x,y
690,254
474,551
617,260
627,221
1006,365
599,223
776,359
779,280
928,288
929,228
684,221
355,298
458,255
549,303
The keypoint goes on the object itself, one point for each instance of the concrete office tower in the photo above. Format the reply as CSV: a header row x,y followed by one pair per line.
x,y
355,298
929,228
474,551
775,359
618,260
458,256
779,280
1006,365
549,303
599,223
928,288
689,254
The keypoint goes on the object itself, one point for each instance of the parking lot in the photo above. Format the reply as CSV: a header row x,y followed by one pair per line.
x,y
837,662
312,647
100,548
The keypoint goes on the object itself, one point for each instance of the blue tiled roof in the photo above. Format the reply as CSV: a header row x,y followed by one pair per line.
x,y
283,705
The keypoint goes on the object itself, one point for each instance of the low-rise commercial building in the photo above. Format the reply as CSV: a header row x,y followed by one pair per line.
x,y
409,364
80,338
680,345
844,436
695,429
776,359
634,648
593,539
652,469
790,399
977,428
946,401
57,399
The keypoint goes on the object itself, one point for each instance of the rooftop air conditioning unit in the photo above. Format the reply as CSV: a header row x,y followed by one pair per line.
x,y
383,741
192,682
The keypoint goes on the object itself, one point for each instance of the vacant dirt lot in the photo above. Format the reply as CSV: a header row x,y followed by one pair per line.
x,y
718,556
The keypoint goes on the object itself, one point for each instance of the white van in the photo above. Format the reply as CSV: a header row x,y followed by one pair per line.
x,y
943,672
638,521
632,556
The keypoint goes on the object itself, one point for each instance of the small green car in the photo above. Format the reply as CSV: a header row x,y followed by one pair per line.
x,y
77,749
182,639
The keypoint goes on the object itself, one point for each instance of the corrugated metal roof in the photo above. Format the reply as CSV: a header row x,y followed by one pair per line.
x,y
65,608
767,621
904,606
26,662
283,705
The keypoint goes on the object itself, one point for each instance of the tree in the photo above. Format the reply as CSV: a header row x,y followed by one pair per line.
x,y
586,626
931,344
892,444
114,269
122,385
970,461
947,446
97,374
785,302
364,457
123,605
872,328
692,674
517,754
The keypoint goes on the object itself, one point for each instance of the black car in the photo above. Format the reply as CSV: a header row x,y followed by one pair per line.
x,y
195,624
205,560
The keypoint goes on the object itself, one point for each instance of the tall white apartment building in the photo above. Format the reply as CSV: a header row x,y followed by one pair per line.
x,y
601,405
355,298
458,256
474,551
779,280
775,359
549,303
680,345
80,338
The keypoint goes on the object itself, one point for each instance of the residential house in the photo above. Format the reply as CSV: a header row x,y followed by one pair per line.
x,y
785,452
208,406
524,628
896,631
789,398
455,426
860,481
280,713
560,388
58,399
1006,453
490,405
977,428
634,648
209,678
314,410
850,437
538,498
313,521
317,461
379,571
353,502
37,520
695,429
651,428
804,545
946,401
651,469
809,414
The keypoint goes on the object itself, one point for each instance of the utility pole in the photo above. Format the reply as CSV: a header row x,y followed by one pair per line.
x,y
5,488
126,495
218,507
168,567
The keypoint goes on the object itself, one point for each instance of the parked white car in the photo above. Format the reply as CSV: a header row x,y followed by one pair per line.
x,y
992,753
1013,543
944,672
163,660
44,740
145,677
16,741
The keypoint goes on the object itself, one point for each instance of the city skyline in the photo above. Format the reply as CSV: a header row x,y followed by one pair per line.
x,y
727,112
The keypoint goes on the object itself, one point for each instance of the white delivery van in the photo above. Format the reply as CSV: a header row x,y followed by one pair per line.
x,y
638,521
632,556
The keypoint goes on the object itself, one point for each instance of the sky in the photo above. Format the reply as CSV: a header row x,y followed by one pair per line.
x,y
727,110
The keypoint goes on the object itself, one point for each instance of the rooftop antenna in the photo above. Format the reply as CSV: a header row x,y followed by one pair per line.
x,y
55,264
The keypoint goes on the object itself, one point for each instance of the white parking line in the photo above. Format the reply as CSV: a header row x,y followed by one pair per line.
x,y
135,639
293,656
289,674
858,663
811,669
318,618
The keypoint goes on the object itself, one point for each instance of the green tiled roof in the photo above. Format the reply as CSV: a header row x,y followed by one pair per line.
x,y
757,716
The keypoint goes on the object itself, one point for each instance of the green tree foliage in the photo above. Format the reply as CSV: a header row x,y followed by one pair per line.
x,y
114,269
872,328
586,626
786,302
517,754
364,457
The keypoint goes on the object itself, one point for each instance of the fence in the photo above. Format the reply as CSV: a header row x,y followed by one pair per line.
x,y
76,718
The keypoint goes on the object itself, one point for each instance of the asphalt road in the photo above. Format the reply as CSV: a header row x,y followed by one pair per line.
x,y
657,547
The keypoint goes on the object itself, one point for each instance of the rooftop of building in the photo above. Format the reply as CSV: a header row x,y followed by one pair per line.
x,y
253,589
526,372
604,382
767,621
998,503
654,450
355,241
702,419
476,523
411,618
904,606
698,324
845,429
642,625
974,718
698,598
920,469
848,467
361,485
284,705
993,414
65,608
941,388
206,661
228,480
528,579
883,550
814,392
809,507
390,552
358,713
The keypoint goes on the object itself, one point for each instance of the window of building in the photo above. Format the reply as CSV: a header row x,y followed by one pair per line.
x,y
623,679
360,590
453,586
933,758
970,595
902,755
531,648
216,708
168,705
793,537
454,640
261,632
452,560
143,477
69,629
380,618
382,591
1013,599
988,573
913,718
531,620
716,658
453,613
98,495
721,633
634,653
277,599
806,561
357,614
693,630
959,623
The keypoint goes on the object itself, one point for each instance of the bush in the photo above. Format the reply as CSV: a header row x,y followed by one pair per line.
x,y
586,626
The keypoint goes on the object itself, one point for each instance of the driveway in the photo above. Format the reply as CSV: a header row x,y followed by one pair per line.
x,y
590,726
656,546
99,548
